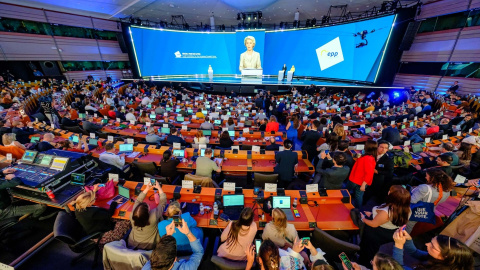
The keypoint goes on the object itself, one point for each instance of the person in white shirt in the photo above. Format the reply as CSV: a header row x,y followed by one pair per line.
x,y
261,115
110,101
131,115
89,107
111,158
322,105
146,101
207,124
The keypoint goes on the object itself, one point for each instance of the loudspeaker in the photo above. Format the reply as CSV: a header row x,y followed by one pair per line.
x,y
121,42
50,68
409,36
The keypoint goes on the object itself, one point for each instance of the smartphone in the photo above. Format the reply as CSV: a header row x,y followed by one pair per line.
x,y
152,182
326,152
177,220
353,152
101,185
403,228
346,261
305,241
258,243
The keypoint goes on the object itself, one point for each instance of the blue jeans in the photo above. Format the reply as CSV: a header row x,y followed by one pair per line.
x,y
416,138
356,193
293,139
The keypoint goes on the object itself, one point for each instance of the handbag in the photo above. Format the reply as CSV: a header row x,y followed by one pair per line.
x,y
104,193
424,211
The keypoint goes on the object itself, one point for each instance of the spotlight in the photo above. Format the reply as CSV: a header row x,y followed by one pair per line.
x,y
396,95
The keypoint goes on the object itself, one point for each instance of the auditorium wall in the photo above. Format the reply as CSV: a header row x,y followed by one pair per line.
x,y
29,46
456,49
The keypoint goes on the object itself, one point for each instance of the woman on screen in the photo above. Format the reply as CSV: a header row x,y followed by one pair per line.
x,y
250,58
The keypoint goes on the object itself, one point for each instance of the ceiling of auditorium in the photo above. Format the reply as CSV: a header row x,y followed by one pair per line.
x,y
197,11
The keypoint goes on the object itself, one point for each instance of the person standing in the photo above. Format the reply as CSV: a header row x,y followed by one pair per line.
x,y
362,173
286,162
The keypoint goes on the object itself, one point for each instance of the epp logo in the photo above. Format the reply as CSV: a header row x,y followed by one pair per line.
x,y
178,54
330,54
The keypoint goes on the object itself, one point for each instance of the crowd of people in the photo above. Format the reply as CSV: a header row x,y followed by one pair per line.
x,y
381,191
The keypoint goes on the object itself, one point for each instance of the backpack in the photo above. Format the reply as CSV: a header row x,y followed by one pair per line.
x,y
401,159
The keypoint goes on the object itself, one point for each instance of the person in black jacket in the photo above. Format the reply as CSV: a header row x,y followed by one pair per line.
x,y
22,133
286,162
67,121
225,141
390,134
332,178
47,142
97,219
310,138
382,178
273,146
8,210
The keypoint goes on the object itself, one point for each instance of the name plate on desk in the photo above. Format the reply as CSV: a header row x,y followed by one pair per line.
x,y
110,138
130,141
228,186
113,176
184,128
360,146
202,146
177,145
459,133
427,140
460,179
6,267
118,120
187,184
246,130
312,188
147,124
132,122
165,125
444,137
406,143
255,148
9,157
270,187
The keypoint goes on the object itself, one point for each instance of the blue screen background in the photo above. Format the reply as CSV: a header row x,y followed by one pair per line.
x,y
155,50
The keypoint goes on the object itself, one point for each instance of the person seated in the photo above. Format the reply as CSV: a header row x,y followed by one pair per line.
x,y
442,161
207,125
89,126
433,127
334,177
443,252
342,148
237,236
168,165
199,114
183,245
67,121
11,146
110,157
286,162
272,125
273,146
174,137
152,137
262,125
89,107
260,115
205,165
199,138
165,254
144,118
7,209
131,115
230,125
47,143
279,231
97,219
225,141
380,261
415,136
144,234
447,148
390,134
426,109
22,134
67,145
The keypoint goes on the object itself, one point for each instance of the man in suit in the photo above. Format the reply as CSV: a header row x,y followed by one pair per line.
x,y
310,138
90,127
390,134
286,162
382,178
332,178
47,142
174,138
273,146
22,133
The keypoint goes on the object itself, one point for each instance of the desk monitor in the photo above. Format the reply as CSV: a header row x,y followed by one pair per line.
x,y
202,152
44,160
189,111
34,139
207,132
282,202
417,148
245,114
169,109
205,112
153,116
93,142
123,191
217,122
29,156
59,163
165,130
77,179
178,110
75,139
233,200
81,115
231,133
126,147
180,118
179,153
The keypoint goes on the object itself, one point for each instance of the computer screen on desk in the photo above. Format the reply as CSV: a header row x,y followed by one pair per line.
x,y
207,132
233,200
202,152
29,156
123,191
59,163
126,147
179,153
231,133
281,202
165,130
43,160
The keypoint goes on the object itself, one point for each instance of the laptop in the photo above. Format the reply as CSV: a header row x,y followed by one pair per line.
x,y
34,139
153,116
165,130
74,139
28,157
77,179
179,153
207,132
93,142
233,205
217,122
283,202
202,152
126,148
180,118
123,193
231,133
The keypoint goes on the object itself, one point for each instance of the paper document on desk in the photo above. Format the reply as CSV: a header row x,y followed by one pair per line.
x,y
133,154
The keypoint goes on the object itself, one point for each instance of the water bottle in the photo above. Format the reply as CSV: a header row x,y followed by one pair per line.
x,y
50,193
215,208
202,211
295,203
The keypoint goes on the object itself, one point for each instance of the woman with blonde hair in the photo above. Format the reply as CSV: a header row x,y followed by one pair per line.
x,y
250,58
183,244
340,131
279,231
11,146
97,219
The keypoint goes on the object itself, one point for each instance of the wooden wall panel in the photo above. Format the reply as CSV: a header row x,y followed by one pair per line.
x,y
97,74
19,12
24,47
69,19
442,7
107,25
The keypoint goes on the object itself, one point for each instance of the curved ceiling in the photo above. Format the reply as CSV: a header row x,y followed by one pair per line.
x,y
198,11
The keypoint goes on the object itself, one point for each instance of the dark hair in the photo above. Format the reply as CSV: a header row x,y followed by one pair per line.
x,y
316,123
109,146
386,262
398,202
225,135
269,255
287,143
448,146
371,148
164,255
323,121
230,121
340,158
167,155
140,215
383,142
456,255
321,265
343,145
245,219
173,130
446,158
439,177
385,123
332,141
466,149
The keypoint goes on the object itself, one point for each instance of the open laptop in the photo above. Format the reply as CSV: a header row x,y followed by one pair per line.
x,y
28,157
283,202
207,132
179,153
126,148
165,130
77,179
202,152
231,133
233,205
217,122
123,193
180,119
34,139
93,142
